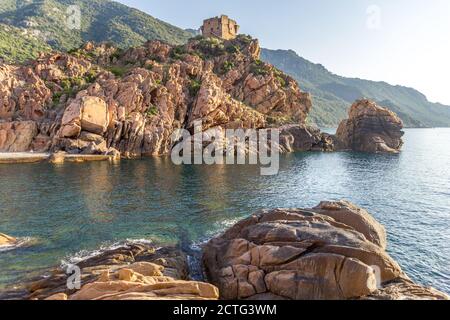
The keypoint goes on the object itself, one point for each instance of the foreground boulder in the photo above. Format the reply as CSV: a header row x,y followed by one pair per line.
x,y
131,272
87,113
370,128
6,240
333,251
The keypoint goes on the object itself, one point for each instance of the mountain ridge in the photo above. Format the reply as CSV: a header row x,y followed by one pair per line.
x,y
101,21
332,93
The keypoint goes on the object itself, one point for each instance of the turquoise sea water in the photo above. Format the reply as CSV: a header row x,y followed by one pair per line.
x,y
75,208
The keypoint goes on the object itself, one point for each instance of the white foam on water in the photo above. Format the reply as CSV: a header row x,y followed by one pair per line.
x,y
105,247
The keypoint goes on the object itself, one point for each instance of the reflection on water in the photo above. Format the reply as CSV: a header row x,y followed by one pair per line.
x,y
77,207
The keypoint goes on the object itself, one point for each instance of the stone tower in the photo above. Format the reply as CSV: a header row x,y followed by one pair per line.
x,y
221,27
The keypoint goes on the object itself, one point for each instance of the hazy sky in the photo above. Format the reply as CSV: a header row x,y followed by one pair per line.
x,y
405,42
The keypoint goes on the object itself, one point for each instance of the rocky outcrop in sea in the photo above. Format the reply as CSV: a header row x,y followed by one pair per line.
x,y
335,251
370,128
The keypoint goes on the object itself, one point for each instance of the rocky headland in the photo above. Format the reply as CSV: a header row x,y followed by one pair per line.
x,y
127,103
335,251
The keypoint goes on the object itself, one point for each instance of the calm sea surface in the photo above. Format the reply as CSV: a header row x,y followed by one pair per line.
x,y
76,208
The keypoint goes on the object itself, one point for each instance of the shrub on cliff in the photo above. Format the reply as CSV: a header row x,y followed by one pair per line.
x,y
194,87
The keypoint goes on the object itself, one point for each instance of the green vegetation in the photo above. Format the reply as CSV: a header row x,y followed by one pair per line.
x,y
259,68
178,52
232,49
118,71
152,111
194,87
71,86
333,94
244,38
101,20
56,97
281,77
211,47
15,46
276,121
227,66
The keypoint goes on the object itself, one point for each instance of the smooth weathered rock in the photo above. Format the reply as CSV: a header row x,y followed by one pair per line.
x,y
333,251
406,290
355,217
70,122
91,137
95,116
370,128
148,288
57,297
86,113
17,136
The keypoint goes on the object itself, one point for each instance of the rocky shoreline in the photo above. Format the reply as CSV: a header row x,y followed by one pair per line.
x,y
335,251
100,100
369,128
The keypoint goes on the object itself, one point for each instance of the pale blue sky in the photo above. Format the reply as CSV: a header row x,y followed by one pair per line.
x,y
409,46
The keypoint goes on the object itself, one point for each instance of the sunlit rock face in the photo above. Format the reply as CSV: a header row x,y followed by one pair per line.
x,y
17,136
370,128
333,251
135,99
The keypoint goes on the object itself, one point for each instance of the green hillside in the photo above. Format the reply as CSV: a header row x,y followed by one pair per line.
x,y
333,94
101,20
15,42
